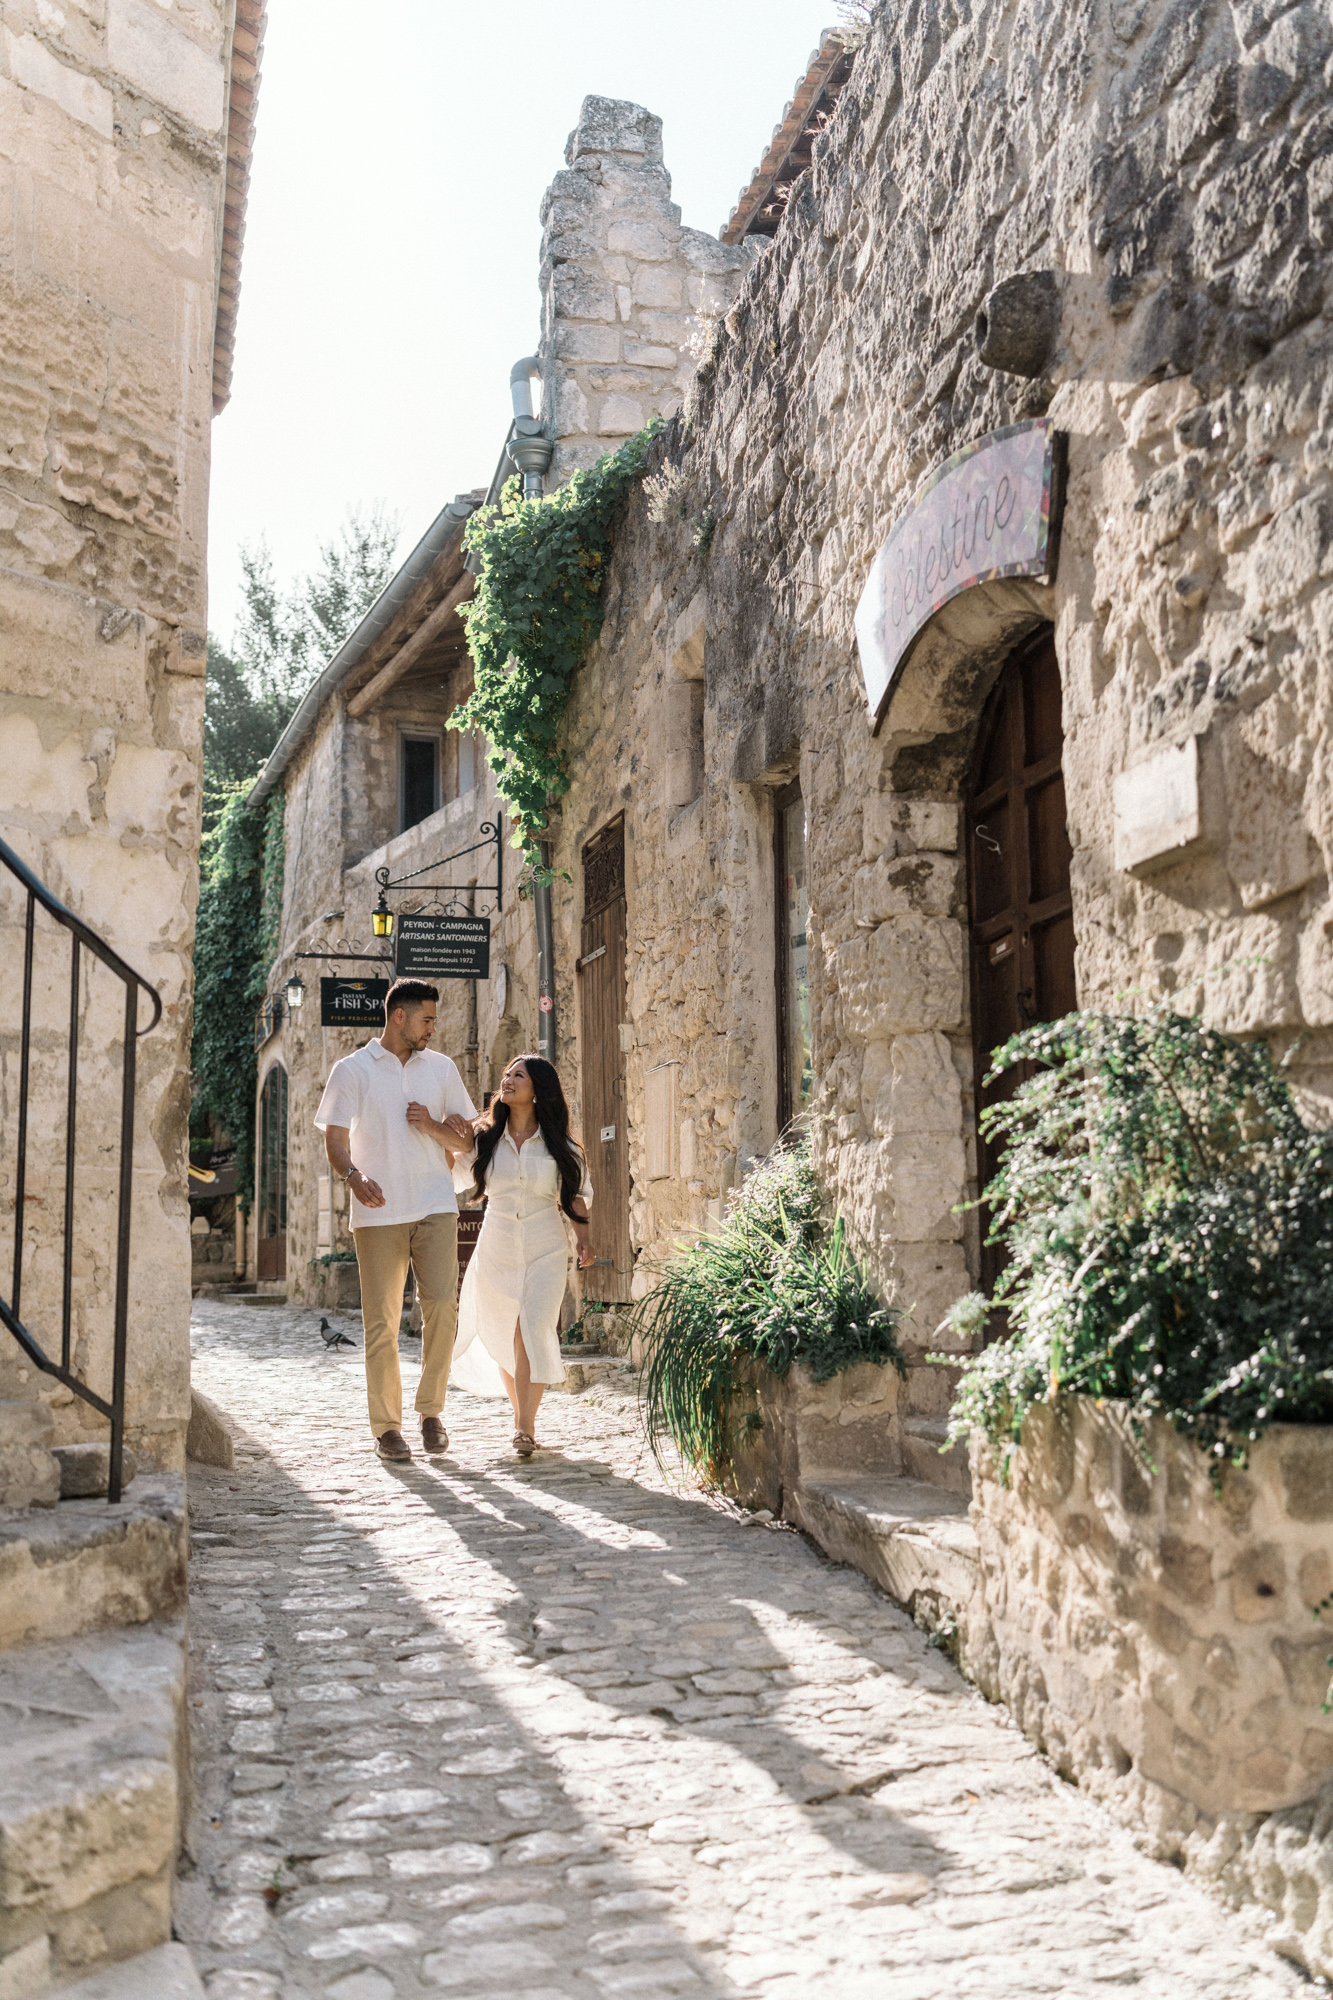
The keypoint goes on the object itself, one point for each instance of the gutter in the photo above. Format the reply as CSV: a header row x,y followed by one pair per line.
x,y
446,526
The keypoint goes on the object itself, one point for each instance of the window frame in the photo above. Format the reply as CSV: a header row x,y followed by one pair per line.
x,y
406,736
784,798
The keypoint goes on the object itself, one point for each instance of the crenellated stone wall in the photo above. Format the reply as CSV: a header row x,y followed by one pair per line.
x,y
626,291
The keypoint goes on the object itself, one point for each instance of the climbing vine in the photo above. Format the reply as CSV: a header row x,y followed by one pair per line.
x,y
537,610
240,900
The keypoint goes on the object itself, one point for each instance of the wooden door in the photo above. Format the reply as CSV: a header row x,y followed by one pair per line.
x,y
272,1236
601,1011
1018,876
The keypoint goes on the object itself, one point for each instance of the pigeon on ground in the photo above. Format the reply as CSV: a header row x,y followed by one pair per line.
x,y
334,1336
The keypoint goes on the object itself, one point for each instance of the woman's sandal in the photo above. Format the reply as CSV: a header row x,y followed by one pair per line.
x,y
524,1445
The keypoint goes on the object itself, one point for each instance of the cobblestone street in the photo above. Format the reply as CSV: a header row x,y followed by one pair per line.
x,y
476,1727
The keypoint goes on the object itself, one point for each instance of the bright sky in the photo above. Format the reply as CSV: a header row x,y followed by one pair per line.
x,y
389,277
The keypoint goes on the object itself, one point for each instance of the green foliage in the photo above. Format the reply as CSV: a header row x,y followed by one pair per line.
x,y
536,611
1169,1223
772,1287
225,966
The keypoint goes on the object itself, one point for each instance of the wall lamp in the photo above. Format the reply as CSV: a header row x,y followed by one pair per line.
x,y
295,992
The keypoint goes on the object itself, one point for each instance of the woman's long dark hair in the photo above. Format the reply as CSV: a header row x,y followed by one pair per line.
x,y
548,1101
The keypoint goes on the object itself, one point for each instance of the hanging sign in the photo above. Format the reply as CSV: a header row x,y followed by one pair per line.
x,y
991,510
433,947
352,1003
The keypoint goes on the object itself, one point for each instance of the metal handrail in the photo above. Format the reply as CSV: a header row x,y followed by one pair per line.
x,y
84,939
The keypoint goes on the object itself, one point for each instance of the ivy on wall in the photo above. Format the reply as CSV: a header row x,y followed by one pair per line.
x,y
537,610
240,903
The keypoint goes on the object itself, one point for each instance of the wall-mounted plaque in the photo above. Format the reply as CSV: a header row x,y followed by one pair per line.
x,y
991,510
352,1003
433,947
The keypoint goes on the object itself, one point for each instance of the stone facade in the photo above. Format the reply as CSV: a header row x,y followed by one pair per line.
x,y
1154,1635
1168,164
114,132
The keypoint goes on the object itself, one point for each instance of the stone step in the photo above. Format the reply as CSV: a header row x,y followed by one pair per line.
x,y
914,1539
923,1441
86,1565
165,1974
582,1370
90,1804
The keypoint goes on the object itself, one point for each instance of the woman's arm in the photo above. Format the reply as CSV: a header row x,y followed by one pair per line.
x,y
586,1255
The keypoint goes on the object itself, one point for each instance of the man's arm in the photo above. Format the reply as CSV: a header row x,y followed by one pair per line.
x,y
338,1146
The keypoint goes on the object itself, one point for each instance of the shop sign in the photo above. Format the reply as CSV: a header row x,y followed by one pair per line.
x,y
992,510
352,1003
435,947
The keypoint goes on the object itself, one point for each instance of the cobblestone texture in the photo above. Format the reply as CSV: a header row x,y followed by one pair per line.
x,y
474,1727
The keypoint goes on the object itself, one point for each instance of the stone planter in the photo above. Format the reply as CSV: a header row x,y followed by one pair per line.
x,y
1156,1638
791,1431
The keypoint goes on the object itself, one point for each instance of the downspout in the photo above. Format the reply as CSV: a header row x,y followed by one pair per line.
x,y
530,449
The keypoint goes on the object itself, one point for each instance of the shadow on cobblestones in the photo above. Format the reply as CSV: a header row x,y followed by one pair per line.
x,y
476,1727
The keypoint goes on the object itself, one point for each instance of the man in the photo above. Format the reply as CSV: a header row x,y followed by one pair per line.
x,y
393,1116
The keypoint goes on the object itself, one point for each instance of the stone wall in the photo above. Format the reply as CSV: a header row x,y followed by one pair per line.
x,y
1155,1637
113,158
1168,164
626,291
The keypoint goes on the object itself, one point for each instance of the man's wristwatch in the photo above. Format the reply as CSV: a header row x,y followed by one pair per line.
x,y
348,1175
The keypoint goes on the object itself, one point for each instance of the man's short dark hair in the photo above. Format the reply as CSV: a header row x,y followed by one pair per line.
x,y
408,993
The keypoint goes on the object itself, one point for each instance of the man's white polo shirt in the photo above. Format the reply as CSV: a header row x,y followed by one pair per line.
x,y
369,1092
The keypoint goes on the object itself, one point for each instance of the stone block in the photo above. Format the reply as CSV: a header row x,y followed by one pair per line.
x,y
657,286
80,97
1159,815
901,885
647,242
905,978
613,125
588,343
86,1565
167,1973
85,1469
165,64
29,1475
208,1440
620,416
89,1797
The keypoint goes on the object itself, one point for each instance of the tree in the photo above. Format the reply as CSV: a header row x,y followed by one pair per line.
x,y
282,640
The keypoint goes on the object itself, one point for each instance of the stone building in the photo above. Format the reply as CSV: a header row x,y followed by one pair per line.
x,y
965,660
125,132
373,780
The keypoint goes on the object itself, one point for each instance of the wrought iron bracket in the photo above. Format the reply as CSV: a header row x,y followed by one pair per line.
x,y
448,896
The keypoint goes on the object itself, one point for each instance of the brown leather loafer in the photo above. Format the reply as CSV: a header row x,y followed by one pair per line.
x,y
434,1437
394,1446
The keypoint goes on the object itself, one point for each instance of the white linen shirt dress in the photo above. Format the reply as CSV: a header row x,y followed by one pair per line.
x,y
518,1271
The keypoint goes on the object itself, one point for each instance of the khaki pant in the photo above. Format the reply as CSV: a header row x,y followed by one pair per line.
x,y
383,1255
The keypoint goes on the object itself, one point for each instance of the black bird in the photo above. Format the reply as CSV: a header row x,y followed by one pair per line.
x,y
334,1336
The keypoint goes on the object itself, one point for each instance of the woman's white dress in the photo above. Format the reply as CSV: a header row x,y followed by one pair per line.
x,y
518,1271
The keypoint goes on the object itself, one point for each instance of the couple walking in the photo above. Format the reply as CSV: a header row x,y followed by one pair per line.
x,y
402,1132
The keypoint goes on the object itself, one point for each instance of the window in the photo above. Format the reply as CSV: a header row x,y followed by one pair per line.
x,y
419,780
795,1076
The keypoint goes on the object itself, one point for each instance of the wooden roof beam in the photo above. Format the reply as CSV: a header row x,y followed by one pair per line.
x,y
412,649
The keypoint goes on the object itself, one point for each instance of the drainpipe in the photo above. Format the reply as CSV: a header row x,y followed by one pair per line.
x,y
530,449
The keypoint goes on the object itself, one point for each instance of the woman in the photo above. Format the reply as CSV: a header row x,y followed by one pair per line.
x,y
532,1174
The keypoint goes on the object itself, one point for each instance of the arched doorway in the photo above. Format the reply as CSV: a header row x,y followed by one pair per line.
x,y
271,1261
1018,853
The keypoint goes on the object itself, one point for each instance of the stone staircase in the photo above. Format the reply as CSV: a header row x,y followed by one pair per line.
x,y
92,1716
